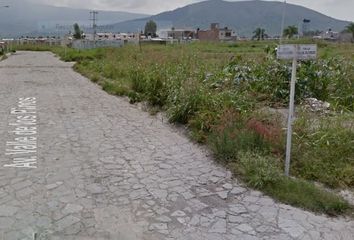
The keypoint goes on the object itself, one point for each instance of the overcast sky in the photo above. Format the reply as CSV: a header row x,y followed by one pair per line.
x,y
341,9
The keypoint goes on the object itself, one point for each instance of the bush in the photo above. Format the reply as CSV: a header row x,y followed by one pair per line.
x,y
115,88
263,173
151,84
202,123
327,80
185,105
308,196
324,150
258,171
231,136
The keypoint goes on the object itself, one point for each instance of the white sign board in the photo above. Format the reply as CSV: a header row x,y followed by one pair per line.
x,y
294,52
300,52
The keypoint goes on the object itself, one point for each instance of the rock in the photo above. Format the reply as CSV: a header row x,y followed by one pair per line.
x,y
223,195
95,188
7,211
227,186
66,222
316,105
72,208
195,220
218,227
158,226
178,214
219,214
348,195
245,228
238,190
163,219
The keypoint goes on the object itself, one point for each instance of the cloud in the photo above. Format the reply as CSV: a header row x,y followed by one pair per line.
x,y
142,6
341,9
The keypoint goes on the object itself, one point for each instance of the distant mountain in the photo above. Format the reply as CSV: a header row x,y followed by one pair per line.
x,y
24,17
243,16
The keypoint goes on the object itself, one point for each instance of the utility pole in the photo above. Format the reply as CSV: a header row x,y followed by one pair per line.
x,y
93,18
6,6
282,24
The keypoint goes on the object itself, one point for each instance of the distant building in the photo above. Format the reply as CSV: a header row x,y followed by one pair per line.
x,y
113,36
345,37
215,33
2,46
305,26
328,35
181,34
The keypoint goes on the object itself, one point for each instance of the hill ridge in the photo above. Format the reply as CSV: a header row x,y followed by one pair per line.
x,y
242,16
24,17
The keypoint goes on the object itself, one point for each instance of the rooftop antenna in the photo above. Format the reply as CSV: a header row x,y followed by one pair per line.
x,y
282,23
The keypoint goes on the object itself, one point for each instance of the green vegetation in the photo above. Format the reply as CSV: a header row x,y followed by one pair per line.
x,y
2,57
350,29
3,51
259,34
150,28
262,172
220,92
324,149
252,152
77,31
290,31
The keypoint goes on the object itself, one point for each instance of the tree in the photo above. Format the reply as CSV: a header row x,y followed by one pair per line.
x,y
77,32
150,29
259,34
290,31
350,29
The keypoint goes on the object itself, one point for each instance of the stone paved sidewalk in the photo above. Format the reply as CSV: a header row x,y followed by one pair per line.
x,y
106,170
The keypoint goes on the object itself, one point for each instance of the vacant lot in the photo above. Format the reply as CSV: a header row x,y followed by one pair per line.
x,y
231,97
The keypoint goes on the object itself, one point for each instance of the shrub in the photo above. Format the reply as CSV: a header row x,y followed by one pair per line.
x,y
324,150
327,80
185,105
115,88
202,123
258,171
231,136
263,173
308,196
151,83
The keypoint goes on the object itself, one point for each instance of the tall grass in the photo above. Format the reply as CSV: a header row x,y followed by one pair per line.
x,y
324,149
262,172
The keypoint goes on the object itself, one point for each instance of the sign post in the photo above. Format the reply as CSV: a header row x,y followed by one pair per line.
x,y
294,52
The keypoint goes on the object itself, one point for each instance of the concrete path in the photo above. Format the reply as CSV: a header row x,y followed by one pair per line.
x,y
103,169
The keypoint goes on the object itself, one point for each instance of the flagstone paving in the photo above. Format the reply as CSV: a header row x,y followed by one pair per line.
x,y
107,170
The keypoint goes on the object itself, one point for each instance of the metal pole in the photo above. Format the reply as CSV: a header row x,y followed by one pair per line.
x,y
140,41
291,115
94,19
6,6
282,24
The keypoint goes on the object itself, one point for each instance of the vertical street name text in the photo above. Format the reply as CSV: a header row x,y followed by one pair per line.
x,y
22,148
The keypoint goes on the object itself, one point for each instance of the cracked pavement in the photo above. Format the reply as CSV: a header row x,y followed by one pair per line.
x,y
107,170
